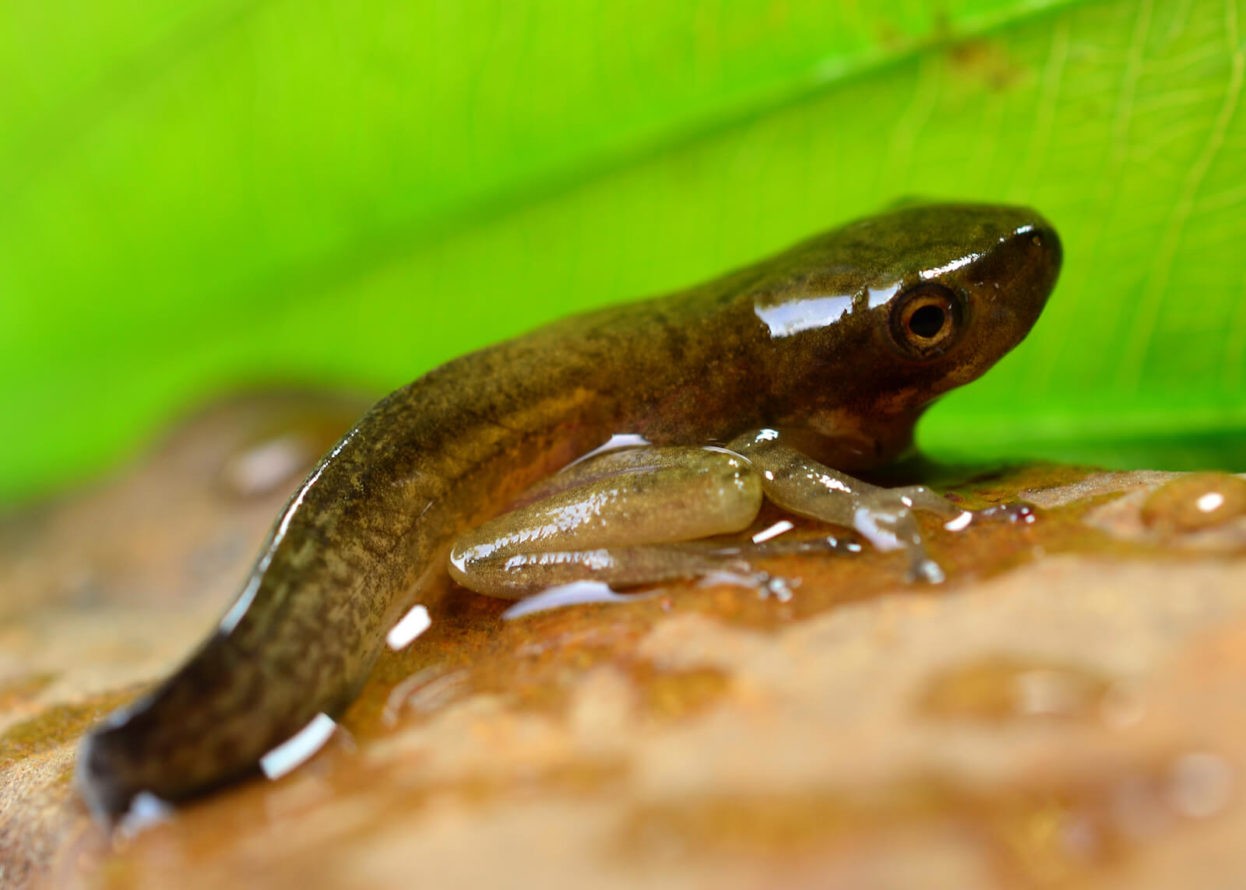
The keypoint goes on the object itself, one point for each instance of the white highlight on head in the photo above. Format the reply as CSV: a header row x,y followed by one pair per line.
x,y
409,626
793,316
955,264
881,295
299,748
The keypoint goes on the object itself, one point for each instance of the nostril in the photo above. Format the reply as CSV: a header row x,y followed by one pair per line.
x,y
1042,244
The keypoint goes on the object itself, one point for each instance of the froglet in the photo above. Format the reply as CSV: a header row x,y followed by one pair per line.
x,y
831,349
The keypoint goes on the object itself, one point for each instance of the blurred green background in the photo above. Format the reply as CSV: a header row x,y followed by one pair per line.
x,y
211,193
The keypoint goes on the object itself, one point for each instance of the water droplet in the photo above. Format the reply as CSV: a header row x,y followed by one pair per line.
x,y
1201,785
1194,502
1001,688
266,466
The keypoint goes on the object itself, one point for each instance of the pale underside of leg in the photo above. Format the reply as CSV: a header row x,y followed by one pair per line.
x,y
634,517
618,518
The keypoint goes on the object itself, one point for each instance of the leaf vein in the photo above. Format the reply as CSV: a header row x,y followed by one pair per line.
x,y
1148,305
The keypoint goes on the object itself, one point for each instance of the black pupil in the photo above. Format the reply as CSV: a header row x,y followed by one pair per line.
x,y
927,321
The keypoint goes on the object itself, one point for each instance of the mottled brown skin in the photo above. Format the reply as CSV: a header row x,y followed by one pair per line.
x,y
346,558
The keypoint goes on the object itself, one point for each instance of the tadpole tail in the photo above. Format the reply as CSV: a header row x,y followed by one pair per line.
x,y
208,724
299,642
343,563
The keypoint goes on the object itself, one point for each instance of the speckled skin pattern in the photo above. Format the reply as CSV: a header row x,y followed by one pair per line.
x,y
345,559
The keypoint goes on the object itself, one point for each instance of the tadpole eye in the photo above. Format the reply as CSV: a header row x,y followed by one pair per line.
x,y
926,319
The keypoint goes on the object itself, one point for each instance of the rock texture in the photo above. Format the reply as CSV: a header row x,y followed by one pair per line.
x,y
1064,712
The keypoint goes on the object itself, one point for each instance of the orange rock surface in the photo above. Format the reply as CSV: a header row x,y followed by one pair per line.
x,y
1064,712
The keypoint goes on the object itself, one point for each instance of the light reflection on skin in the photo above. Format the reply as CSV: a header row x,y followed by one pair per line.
x,y
879,296
299,748
951,267
959,523
1210,501
409,626
793,316
617,442
779,528
573,594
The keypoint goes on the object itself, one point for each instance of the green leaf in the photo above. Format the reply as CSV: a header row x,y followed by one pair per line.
x,y
196,197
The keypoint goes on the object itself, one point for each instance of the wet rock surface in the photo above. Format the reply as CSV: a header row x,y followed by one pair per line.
x,y
1065,711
